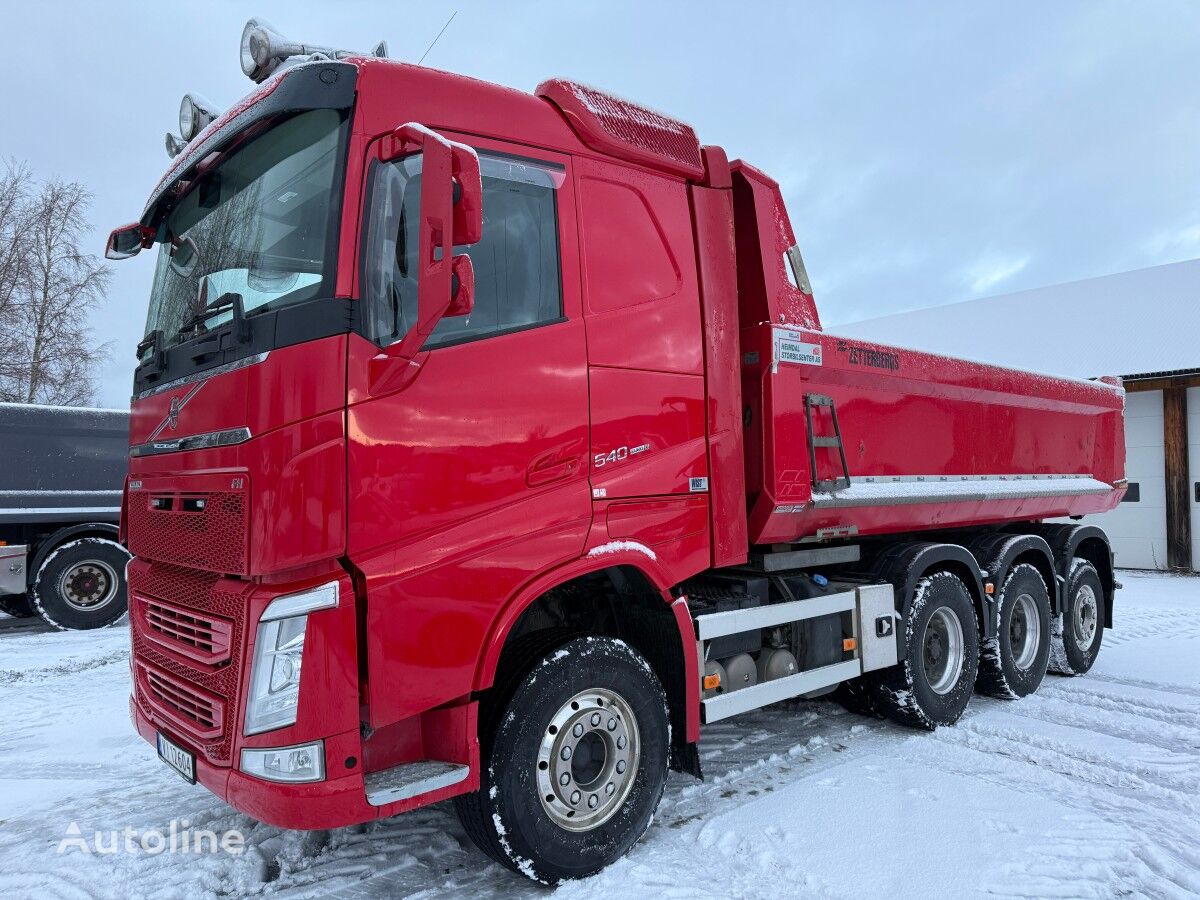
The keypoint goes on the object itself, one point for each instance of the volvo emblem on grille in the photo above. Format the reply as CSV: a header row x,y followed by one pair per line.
x,y
176,407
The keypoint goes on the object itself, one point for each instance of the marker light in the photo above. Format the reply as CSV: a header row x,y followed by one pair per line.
x,y
194,115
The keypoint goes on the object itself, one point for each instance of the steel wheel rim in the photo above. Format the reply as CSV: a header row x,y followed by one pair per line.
x,y
942,650
588,759
1024,632
1086,615
88,585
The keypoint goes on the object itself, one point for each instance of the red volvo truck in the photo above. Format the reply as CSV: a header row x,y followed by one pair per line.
x,y
485,445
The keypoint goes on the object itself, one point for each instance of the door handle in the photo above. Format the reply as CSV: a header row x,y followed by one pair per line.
x,y
551,466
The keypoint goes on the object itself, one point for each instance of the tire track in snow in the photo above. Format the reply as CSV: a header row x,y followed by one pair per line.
x,y
72,667
1125,726
1167,843
1184,690
1127,773
1158,711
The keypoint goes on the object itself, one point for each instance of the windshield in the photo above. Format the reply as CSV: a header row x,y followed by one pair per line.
x,y
255,225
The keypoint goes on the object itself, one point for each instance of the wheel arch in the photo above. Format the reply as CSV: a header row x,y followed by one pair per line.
x,y
56,539
999,552
1087,542
905,564
621,595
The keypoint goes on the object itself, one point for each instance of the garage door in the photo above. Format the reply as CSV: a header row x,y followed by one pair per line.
x,y
1193,399
1138,526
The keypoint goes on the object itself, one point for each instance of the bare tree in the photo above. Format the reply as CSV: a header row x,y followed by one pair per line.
x,y
53,288
14,202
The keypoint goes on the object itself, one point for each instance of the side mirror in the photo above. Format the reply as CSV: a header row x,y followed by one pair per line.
x,y
451,213
128,240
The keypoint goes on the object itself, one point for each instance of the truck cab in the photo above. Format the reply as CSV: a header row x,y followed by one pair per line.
x,y
442,477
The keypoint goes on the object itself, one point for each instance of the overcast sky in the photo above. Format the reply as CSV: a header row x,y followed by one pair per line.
x,y
929,152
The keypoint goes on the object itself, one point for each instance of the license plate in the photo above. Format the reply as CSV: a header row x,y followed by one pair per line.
x,y
177,758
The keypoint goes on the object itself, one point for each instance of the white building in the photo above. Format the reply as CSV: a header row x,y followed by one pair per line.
x,y
1142,325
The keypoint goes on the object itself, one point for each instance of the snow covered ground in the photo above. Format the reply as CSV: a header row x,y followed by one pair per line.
x,y
1090,788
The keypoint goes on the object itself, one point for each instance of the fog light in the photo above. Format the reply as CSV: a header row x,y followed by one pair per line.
x,y
305,762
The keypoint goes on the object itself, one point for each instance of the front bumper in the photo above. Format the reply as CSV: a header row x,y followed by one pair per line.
x,y
337,801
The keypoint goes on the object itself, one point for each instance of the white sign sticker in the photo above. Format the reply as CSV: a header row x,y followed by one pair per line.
x,y
793,348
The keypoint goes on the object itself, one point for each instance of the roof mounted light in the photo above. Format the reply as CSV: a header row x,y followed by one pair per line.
x,y
194,115
174,145
263,49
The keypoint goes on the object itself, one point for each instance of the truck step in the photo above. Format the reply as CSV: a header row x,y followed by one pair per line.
x,y
412,779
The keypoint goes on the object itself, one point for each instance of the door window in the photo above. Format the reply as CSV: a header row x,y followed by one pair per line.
x,y
517,279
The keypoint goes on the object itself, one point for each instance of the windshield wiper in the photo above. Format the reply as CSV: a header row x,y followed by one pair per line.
x,y
231,301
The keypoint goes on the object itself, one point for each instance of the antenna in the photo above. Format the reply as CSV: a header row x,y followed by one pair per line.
x,y
435,40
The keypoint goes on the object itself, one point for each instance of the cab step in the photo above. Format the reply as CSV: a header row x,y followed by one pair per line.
x,y
412,779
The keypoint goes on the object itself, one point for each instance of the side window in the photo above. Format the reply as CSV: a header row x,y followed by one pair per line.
x,y
517,282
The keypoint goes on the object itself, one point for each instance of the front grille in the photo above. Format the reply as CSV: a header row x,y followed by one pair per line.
x,y
192,711
197,529
205,597
204,638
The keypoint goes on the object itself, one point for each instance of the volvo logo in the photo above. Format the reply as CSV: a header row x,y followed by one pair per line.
x,y
177,404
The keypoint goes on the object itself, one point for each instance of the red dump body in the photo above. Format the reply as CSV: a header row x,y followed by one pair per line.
x,y
653,424
930,442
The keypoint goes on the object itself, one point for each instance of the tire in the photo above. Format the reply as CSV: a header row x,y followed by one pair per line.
x,y
858,696
1079,631
17,605
1013,663
935,679
81,584
526,815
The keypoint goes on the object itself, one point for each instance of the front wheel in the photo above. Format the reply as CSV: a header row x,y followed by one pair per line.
x,y
82,584
575,765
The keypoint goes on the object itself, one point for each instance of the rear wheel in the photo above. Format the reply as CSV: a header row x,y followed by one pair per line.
x,y
575,766
82,584
934,681
1079,631
1013,663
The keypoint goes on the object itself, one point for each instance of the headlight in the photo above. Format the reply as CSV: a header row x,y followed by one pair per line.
x,y
278,658
303,763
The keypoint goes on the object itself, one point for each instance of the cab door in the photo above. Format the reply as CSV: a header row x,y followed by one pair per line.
x,y
471,477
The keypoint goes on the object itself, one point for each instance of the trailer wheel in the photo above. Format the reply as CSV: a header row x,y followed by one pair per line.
x,y
1080,629
576,765
81,584
934,681
1012,664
